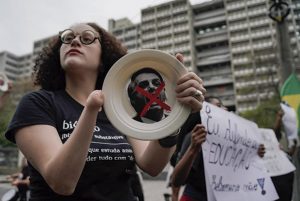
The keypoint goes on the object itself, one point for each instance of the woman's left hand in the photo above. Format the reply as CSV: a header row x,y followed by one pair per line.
x,y
189,89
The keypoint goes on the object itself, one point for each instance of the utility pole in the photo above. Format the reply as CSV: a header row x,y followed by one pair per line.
x,y
278,12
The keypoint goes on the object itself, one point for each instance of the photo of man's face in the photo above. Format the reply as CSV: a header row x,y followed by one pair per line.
x,y
147,95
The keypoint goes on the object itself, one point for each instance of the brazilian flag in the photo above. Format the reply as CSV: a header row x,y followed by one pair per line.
x,y
290,92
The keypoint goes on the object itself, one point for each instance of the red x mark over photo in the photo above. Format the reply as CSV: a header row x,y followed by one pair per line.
x,y
152,98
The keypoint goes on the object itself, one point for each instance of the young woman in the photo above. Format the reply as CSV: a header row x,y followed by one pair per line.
x,y
74,152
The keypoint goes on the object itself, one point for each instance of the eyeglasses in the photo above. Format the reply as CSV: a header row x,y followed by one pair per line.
x,y
86,37
149,83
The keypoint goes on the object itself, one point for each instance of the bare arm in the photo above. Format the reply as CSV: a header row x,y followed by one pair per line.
x,y
278,123
21,182
150,156
55,160
293,148
183,167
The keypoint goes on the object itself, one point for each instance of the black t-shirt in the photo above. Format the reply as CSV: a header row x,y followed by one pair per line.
x,y
186,128
196,177
110,160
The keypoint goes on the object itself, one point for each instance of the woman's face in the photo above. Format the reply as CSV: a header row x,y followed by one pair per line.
x,y
76,55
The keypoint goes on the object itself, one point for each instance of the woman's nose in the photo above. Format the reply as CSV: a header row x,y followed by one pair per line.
x,y
76,41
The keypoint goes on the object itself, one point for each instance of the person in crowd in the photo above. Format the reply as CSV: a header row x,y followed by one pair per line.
x,y
173,193
21,181
189,170
5,89
187,127
284,183
136,184
148,80
73,150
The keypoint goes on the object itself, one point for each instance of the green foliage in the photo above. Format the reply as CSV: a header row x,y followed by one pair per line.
x,y
247,90
264,115
19,88
5,116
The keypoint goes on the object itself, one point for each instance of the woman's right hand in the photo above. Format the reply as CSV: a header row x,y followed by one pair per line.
x,y
95,100
198,136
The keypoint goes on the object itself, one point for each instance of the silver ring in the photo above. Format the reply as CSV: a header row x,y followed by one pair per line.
x,y
197,93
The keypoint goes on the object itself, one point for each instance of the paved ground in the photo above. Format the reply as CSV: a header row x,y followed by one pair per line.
x,y
153,189
4,187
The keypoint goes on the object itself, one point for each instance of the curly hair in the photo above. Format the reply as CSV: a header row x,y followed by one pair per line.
x,y
49,74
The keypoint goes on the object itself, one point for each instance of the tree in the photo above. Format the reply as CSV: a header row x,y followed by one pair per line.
x,y
6,114
264,115
19,89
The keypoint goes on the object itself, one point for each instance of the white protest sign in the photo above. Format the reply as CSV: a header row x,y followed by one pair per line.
x,y
209,191
275,160
289,121
229,154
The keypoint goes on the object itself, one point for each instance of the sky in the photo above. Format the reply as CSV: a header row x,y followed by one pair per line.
x,y
24,21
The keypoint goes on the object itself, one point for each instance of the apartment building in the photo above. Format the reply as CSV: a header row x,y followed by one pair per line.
x,y
166,27
294,31
255,51
16,67
38,46
212,53
126,31
231,44
18,70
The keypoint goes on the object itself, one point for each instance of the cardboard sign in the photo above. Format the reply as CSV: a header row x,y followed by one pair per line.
x,y
274,160
229,156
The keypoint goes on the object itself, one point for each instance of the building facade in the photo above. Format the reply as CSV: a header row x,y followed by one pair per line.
x,y
212,54
233,45
16,67
167,27
255,51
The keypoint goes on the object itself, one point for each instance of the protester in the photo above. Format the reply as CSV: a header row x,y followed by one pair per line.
x,y
187,127
189,170
173,194
21,181
136,185
4,90
284,183
215,101
74,152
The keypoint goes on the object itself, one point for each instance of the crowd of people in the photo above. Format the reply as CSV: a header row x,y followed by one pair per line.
x,y
188,168
65,129
60,133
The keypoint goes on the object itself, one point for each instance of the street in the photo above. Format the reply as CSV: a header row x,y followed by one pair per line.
x,y
153,189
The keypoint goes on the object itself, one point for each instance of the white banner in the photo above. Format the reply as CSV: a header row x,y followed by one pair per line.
x,y
275,160
229,154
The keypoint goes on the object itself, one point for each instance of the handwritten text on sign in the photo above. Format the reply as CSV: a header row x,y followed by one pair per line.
x,y
275,160
229,154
